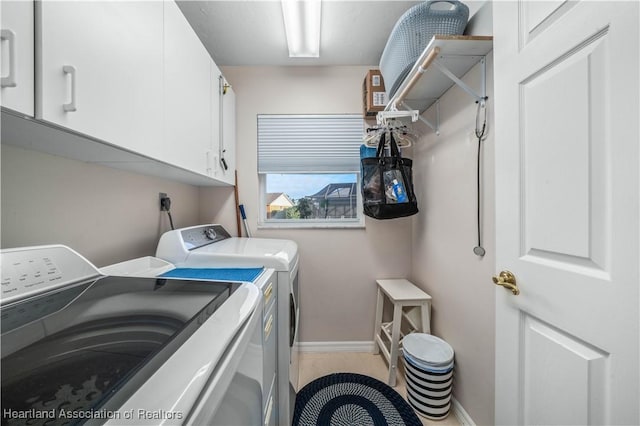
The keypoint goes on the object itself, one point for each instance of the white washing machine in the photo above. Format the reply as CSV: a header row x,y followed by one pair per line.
x,y
211,246
81,347
239,403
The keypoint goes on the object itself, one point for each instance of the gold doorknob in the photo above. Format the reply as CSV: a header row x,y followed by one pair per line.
x,y
507,280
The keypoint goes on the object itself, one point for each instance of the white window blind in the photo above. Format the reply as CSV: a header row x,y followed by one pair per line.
x,y
309,143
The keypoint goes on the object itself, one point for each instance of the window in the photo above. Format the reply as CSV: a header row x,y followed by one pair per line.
x,y
309,170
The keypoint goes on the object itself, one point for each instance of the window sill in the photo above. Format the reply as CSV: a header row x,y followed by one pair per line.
x,y
358,224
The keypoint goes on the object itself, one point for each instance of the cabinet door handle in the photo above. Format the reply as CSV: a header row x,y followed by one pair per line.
x,y
208,160
10,37
221,90
71,70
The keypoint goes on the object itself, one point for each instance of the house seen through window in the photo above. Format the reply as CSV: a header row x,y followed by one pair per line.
x,y
309,169
315,196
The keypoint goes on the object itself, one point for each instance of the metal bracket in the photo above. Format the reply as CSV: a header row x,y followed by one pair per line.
x,y
434,127
482,96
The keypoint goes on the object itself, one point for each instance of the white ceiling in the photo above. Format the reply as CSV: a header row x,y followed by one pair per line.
x,y
247,33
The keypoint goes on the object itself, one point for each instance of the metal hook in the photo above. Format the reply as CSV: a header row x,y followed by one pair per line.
x,y
480,131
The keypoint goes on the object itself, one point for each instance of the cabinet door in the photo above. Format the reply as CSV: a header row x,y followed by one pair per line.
x,y
100,70
17,56
216,105
187,83
227,134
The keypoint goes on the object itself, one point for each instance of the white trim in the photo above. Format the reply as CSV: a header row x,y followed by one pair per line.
x,y
295,224
463,417
366,346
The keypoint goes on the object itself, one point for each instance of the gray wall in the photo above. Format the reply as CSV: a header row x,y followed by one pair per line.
x,y
338,266
107,215
444,234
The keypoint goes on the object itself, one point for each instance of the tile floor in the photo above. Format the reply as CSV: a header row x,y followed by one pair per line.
x,y
315,364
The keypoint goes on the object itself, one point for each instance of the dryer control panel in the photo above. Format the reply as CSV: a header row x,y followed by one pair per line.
x,y
198,236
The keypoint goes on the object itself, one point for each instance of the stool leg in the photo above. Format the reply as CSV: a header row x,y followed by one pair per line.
x,y
378,324
425,313
395,343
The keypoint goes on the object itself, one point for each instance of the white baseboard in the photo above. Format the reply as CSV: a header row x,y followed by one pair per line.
x,y
463,417
336,346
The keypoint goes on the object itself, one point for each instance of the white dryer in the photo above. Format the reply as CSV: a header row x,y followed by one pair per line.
x,y
209,246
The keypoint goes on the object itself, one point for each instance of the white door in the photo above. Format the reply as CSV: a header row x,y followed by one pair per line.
x,y
100,70
567,220
17,56
187,84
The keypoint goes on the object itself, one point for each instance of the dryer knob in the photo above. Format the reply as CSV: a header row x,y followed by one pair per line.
x,y
210,233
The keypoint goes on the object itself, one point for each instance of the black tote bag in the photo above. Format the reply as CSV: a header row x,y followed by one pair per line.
x,y
387,185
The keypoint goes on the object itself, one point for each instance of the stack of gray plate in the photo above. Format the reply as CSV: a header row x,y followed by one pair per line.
x,y
429,373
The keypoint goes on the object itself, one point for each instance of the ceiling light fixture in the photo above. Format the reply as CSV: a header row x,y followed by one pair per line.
x,y
302,25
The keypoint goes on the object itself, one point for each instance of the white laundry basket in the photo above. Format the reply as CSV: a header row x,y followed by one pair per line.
x,y
428,362
411,34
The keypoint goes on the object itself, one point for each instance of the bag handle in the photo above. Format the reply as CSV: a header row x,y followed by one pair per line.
x,y
380,149
395,151
408,186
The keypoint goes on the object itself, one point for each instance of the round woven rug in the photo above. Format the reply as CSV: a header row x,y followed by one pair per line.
x,y
347,399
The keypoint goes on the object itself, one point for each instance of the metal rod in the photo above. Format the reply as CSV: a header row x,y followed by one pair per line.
x,y
424,120
459,82
483,83
438,117
428,123
237,199
425,64
244,220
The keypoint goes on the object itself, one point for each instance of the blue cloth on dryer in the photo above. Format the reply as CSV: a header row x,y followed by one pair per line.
x,y
226,274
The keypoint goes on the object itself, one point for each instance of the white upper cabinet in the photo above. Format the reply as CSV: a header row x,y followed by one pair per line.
x,y
17,56
222,160
213,160
100,70
187,88
130,80
228,134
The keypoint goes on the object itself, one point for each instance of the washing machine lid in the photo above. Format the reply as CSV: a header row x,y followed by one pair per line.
x,y
246,252
91,345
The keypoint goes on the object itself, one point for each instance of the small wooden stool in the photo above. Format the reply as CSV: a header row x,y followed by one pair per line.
x,y
402,293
